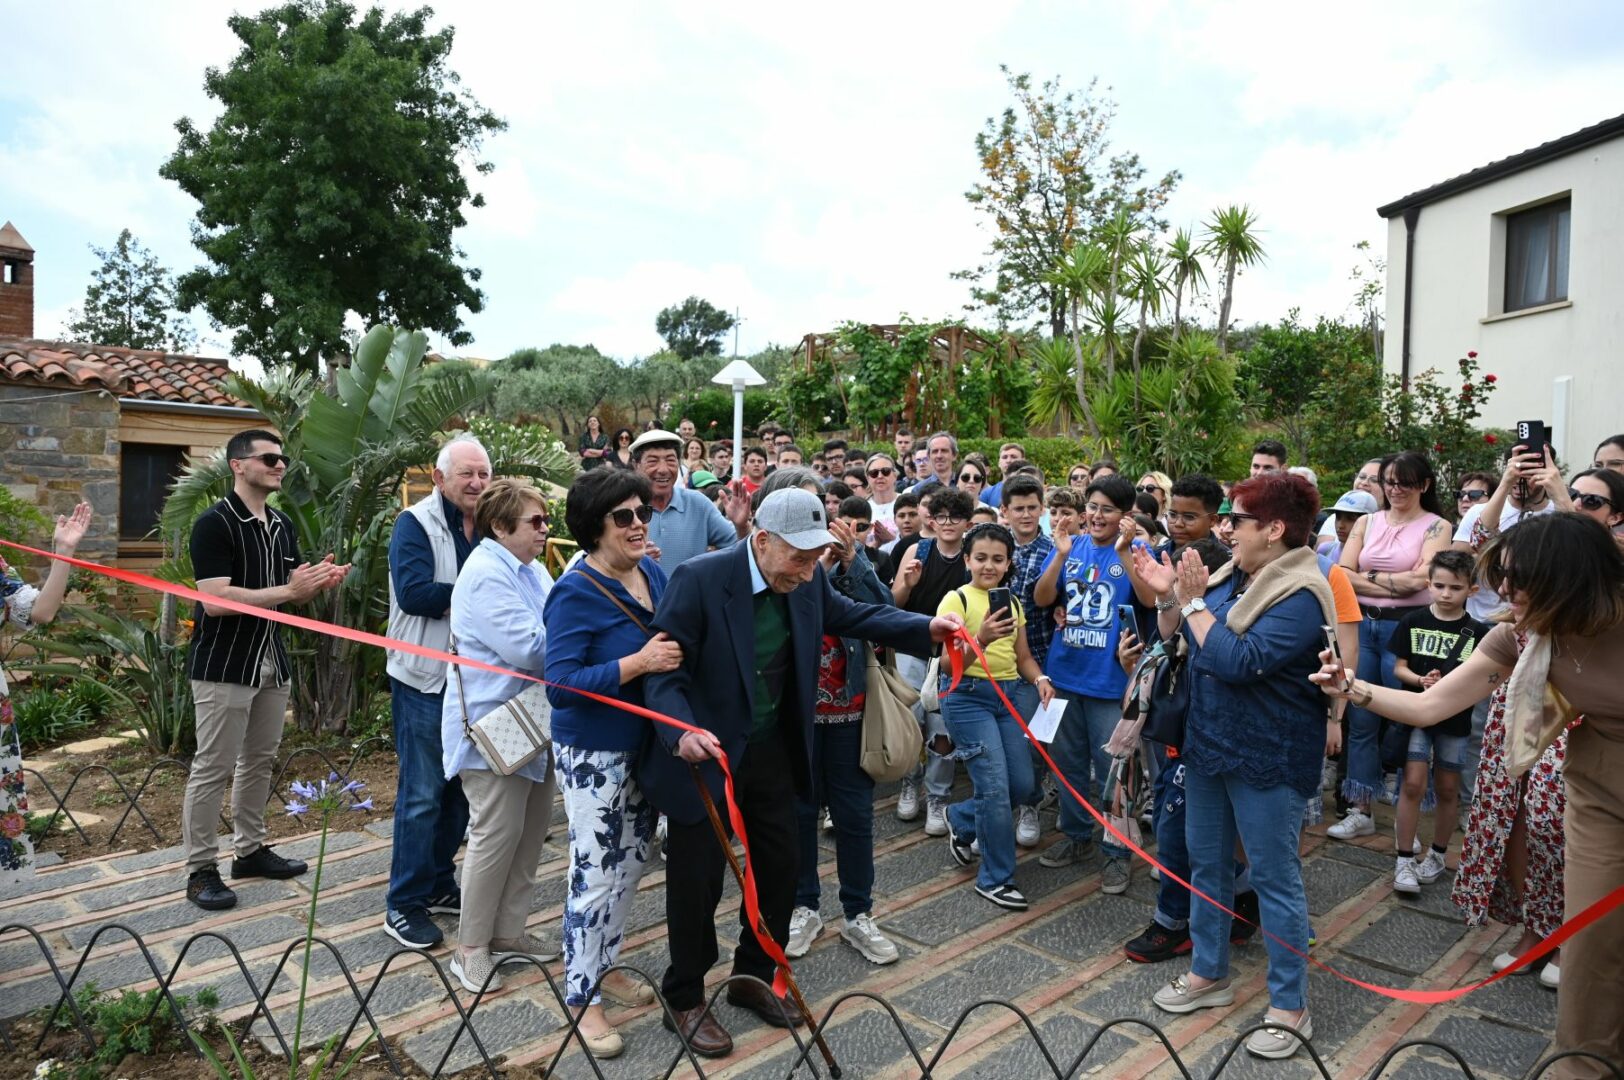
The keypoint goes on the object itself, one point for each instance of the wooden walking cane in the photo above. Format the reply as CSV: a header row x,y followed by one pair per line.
x,y
738,875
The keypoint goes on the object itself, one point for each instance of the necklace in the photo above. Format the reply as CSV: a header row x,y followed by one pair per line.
x,y
633,582
1578,664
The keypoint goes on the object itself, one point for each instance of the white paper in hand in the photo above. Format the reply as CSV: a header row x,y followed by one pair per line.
x,y
1046,721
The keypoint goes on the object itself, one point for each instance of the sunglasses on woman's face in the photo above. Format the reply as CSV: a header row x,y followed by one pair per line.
x,y
1236,519
1147,489
970,478
883,470
537,522
1471,495
622,516
1590,502
625,438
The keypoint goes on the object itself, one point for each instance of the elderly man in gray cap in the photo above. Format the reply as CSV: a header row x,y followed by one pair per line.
x,y
685,522
750,620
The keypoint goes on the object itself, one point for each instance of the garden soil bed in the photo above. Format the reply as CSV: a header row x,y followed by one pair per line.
x,y
98,805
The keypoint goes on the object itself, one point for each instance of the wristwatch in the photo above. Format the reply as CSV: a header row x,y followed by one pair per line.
x,y
1198,604
1370,575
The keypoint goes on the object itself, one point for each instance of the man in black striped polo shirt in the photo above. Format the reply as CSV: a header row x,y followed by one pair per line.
x,y
245,551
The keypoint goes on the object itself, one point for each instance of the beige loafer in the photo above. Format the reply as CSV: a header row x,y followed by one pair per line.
x,y
626,990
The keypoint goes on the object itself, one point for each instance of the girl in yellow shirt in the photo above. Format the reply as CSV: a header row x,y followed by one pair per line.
x,y
985,737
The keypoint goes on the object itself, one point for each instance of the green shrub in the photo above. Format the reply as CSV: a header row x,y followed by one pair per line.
x,y
45,717
707,407
121,1025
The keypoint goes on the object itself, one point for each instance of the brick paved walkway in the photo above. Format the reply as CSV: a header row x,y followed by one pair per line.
x,y
1060,961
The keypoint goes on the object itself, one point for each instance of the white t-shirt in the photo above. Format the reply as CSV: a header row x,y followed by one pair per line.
x,y
884,512
1485,603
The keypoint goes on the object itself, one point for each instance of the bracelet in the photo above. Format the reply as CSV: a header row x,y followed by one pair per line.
x,y
1042,678
1167,604
1369,696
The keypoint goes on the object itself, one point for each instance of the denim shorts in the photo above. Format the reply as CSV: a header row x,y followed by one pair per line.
x,y
1446,752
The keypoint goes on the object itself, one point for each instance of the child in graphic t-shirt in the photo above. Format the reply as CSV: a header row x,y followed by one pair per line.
x,y
1429,643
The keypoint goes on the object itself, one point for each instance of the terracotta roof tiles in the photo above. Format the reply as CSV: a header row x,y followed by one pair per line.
x,y
146,374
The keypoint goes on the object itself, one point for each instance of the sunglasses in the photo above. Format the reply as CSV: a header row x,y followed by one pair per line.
x,y
1236,519
1471,495
622,517
269,460
1399,485
884,470
537,522
1590,502
1147,489
970,478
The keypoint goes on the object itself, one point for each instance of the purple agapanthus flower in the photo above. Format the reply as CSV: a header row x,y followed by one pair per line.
x,y
326,796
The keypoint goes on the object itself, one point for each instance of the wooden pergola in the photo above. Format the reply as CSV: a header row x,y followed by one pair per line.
x,y
948,347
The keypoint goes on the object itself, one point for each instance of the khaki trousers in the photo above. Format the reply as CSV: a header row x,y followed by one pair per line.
x,y
1590,1001
508,817
238,731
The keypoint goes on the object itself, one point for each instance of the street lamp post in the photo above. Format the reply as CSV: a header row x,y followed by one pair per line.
x,y
738,375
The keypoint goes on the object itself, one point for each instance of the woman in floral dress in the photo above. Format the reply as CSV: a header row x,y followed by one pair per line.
x,y
26,607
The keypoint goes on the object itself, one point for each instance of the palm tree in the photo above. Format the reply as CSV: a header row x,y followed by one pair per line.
x,y
1231,240
1054,388
1184,258
1078,276
1147,282
351,449
1116,237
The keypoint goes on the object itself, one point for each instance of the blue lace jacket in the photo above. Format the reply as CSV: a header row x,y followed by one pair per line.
x,y
1253,711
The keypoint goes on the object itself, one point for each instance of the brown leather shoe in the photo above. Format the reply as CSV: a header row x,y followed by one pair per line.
x,y
705,1034
777,1011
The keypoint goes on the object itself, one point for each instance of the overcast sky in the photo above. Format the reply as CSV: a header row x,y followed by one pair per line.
x,y
806,164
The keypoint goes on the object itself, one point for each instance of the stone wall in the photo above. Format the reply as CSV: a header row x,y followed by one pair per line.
x,y
58,447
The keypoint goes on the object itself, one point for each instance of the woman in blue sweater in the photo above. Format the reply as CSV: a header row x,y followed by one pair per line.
x,y
1253,741
597,640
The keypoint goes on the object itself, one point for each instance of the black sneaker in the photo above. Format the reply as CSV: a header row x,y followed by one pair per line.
x,y
1246,907
963,854
205,889
446,904
413,929
266,863
1157,943
1005,896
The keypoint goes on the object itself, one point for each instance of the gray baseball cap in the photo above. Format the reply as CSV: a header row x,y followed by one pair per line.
x,y
797,517
1356,502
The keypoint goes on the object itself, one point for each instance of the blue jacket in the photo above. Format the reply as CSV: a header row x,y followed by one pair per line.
x,y
860,584
709,610
1252,709
586,637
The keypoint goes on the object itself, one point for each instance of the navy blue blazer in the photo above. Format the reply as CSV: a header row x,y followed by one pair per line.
x,y
709,610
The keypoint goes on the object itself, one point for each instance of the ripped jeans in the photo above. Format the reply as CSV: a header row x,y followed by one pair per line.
x,y
995,752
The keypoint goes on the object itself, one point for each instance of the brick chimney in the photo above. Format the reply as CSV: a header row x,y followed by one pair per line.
x,y
16,284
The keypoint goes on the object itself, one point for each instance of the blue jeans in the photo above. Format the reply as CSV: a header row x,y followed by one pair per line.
x,y
1172,900
996,754
936,773
838,782
1025,699
1268,821
1079,744
1364,749
431,813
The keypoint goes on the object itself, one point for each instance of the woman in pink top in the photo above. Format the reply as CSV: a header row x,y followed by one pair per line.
x,y
1386,557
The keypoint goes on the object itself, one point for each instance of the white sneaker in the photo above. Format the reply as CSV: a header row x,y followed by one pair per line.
x,y
475,971
1430,868
1356,824
864,935
908,802
1028,830
935,816
804,927
826,823
1404,878
1550,976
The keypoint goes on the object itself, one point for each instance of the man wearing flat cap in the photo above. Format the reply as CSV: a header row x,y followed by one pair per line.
x,y
750,620
685,522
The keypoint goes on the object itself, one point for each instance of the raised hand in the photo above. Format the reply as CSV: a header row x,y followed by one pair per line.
x,y
1157,574
1191,577
70,529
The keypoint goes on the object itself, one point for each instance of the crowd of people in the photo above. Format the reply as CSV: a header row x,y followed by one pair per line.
x,y
1401,644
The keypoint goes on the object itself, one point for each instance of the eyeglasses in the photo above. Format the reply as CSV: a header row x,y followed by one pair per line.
x,y
269,460
884,470
1103,508
1590,502
1184,517
625,438
1236,519
1148,489
970,478
622,516
1076,476
1471,494
537,522
949,519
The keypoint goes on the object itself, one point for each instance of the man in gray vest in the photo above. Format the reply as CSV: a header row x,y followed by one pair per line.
x,y
431,541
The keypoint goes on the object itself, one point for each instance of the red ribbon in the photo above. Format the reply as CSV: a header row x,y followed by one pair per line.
x,y
752,904
1585,918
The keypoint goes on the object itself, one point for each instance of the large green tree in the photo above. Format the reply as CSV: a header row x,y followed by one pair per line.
x,y
332,182
566,382
130,301
1047,183
693,328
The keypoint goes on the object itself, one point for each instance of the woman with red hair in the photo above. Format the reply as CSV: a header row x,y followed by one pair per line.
x,y
1253,741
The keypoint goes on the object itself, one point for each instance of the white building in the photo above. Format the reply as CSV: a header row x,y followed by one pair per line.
x,y
1523,261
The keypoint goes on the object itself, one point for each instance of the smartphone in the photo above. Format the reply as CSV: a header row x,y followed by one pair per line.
x,y
1128,619
997,601
1533,436
1336,653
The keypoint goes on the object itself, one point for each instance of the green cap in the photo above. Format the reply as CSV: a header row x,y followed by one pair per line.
x,y
1224,508
703,478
